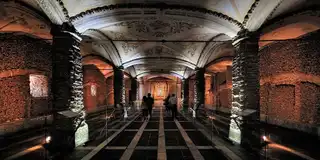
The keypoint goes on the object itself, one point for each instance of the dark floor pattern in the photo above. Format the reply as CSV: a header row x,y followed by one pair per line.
x,y
122,133
149,138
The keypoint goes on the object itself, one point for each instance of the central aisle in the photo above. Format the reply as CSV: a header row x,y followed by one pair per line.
x,y
159,138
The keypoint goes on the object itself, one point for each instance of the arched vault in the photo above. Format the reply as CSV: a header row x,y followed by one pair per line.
x,y
141,34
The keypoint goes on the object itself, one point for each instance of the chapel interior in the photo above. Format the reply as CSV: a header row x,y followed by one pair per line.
x,y
245,73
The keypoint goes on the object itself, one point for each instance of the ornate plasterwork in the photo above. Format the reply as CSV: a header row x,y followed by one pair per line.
x,y
159,60
127,47
53,10
17,18
64,9
260,13
252,8
161,6
142,74
190,47
209,49
159,51
159,67
158,28
109,48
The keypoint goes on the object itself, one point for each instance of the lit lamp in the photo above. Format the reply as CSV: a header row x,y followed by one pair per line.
x,y
48,139
266,141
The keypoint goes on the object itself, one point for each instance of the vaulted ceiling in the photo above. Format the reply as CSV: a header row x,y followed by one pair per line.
x,y
144,36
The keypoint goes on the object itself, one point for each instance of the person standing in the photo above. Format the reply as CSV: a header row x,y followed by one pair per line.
x,y
150,102
167,104
144,108
173,103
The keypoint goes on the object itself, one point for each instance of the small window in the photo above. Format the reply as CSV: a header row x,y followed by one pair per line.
x,y
93,90
38,85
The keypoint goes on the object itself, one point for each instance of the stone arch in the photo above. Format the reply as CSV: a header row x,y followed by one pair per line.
x,y
152,72
290,27
110,51
17,18
164,59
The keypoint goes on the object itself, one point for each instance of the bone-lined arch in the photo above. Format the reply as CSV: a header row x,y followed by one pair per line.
x,y
290,27
159,73
15,17
107,44
150,60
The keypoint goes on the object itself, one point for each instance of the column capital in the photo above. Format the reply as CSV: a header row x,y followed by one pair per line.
x,y
244,35
197,69
119,68
63,29
140,81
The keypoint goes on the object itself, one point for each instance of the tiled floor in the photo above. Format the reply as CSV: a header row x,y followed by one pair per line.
x,y
146,145
138,139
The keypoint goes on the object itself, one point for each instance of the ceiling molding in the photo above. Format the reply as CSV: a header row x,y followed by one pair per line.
x,y
132,71
148,60
64,9
108,44
208,49
153,72
260,12
252,8
19,17
160,76
111,74
53,10
226,58
311,16
88,56
161,6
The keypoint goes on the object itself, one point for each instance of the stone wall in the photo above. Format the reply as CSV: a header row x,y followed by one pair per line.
x,y
310,103
21,56
191,91
290,79
109,88
94,88
209,99
128,88
221,90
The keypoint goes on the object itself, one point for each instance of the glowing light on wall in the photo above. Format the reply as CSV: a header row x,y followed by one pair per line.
x,y
38,85
93,90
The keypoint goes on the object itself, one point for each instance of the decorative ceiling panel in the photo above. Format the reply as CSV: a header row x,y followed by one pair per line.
x,y
16,18
156,29
159,67
223,6
242,7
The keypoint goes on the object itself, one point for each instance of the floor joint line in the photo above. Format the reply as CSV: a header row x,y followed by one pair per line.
x,y
192,147
104,143
130,149
162,155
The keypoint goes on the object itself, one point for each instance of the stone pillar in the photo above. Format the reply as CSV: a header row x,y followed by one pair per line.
x,y
69,127
185,93
119,86
178,91
199,87
244,126
229,84
134,88
215,90
141,89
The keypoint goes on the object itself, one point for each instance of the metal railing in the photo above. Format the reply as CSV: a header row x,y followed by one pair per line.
x,y
107,118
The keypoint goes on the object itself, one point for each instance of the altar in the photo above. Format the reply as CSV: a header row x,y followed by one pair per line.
x,y
159,90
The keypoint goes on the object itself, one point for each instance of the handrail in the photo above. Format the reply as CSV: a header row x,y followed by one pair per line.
x,y
107,118
111,115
